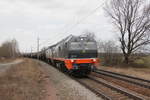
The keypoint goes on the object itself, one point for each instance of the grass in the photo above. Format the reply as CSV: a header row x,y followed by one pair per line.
x,y
22,82
137,72
118,59
138,68
142,62
6,60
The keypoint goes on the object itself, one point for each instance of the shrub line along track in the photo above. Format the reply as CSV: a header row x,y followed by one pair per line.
x,y
134,80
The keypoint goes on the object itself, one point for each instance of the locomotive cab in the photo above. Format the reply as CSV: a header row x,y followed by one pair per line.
x,y
83,54
83,50
74,54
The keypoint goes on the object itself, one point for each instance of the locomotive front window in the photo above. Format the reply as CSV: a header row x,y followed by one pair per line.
x,y
82,50
90,46
84,45
75,46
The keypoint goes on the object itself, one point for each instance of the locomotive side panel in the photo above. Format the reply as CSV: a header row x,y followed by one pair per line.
x,y
61,50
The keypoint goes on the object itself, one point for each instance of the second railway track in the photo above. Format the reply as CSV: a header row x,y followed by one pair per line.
x,y
139,86
131,79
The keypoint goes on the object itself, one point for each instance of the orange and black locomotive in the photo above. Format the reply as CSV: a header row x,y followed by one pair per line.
x,y
75,54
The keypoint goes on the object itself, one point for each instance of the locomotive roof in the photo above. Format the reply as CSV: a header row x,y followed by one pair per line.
x,y
67,39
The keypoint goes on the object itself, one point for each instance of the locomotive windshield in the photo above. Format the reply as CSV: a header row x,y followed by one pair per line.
x,y
83,46
83,50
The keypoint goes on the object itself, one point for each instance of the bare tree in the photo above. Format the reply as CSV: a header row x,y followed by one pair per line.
x,y
132,19
15,48
9,49
89,34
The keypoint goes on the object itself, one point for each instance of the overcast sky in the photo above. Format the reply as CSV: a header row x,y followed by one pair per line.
x,y
51,20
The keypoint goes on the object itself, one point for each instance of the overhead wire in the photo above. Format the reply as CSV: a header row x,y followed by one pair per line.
x,y
74,25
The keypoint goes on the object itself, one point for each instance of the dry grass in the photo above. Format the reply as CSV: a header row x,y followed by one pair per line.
x,y
137,72
139,68
142,62
22,82
6,60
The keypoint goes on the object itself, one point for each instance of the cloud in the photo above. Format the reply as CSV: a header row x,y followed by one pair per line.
x,y
25,20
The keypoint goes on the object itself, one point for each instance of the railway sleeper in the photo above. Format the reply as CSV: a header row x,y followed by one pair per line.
x,y
119,77
124,91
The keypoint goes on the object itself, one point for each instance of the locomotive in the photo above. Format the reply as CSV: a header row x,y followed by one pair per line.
x,y
76,55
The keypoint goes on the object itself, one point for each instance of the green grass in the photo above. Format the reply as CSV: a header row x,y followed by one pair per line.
x,y
142,62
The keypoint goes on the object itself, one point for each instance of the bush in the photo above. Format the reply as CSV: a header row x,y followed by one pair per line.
x,y
111,59
109,53
142,62
9,49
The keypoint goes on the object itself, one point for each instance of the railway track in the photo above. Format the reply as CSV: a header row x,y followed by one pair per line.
x,y
131,79
133,84
109,91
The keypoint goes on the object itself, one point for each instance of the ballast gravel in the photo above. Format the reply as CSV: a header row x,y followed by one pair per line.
x,y
67,88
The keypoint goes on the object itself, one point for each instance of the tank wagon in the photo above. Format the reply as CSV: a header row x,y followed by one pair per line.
x,y
75,54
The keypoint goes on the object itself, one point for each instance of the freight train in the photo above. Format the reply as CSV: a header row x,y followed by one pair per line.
x,y
76,55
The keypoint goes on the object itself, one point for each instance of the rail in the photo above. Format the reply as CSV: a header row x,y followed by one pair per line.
x,y
131,79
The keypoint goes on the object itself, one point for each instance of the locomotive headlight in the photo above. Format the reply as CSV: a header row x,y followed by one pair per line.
x,y
94,60
72,61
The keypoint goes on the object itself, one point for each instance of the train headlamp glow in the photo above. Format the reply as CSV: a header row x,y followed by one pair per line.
x,y
72,60
94,60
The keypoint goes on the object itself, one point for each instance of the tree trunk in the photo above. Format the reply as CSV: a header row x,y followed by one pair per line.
x,y
126,59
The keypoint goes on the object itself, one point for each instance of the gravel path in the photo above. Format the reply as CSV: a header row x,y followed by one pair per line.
x,y
12,63
66,88
6,66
